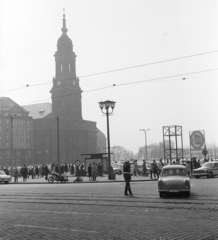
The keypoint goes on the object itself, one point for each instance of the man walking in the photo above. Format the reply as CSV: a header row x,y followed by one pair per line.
x,y
127,177
144,168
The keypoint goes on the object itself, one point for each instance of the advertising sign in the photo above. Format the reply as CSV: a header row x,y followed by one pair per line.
x,y
197,140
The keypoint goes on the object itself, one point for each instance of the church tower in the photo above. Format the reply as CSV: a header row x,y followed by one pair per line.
x,y
66,92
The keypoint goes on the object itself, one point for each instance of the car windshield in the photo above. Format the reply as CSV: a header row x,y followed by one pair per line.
x,y
2,173
208,165
174,172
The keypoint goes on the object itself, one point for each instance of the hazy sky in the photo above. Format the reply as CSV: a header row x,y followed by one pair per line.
x,y
116,34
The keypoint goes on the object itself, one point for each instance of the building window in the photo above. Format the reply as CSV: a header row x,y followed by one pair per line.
x,y
61,68
69,67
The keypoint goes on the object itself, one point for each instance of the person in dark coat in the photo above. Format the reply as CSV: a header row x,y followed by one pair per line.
x,y
56,169
127,177
46,172
62,168
25,173
37,171
90,171
65,168
99,170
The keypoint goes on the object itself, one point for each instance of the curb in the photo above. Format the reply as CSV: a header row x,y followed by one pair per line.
x,y
90,182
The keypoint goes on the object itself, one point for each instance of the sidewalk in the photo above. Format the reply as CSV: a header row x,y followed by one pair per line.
x,y
71,179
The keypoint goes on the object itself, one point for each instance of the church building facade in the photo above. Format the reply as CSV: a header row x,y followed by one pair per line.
x,y
61,123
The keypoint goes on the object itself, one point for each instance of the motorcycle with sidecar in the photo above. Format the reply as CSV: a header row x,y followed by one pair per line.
x,y
56,177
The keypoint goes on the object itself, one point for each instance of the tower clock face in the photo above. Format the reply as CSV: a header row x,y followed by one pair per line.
x,y
74,82
58,83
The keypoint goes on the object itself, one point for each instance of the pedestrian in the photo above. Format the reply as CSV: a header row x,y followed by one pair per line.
x,y
151,169
37,171
25,173
90,171
15,174
65,168
6,171
62,169
135,169
40,171
94,171
56,169
127,177
34,172
144,168
72,169
30,172
99,169
155,169
160,166
46,172
188,169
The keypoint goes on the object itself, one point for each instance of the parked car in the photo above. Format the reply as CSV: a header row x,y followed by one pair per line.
x,y
208,169
118,168
4,178
174,179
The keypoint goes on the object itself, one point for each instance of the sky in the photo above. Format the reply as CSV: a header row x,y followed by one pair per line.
x,y
165,54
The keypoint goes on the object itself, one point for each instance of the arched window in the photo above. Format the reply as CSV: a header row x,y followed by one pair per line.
x,y
61,68
69,67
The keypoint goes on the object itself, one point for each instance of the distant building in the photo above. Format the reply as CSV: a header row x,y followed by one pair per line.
x,y
167,145
16,134
75,136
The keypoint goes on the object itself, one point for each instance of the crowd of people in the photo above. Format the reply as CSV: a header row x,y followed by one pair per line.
x,y
155,167
94,170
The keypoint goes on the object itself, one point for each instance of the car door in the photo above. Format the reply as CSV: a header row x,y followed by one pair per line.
x,y
215,169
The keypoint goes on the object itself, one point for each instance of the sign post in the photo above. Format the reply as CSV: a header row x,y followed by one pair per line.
x,y
197,143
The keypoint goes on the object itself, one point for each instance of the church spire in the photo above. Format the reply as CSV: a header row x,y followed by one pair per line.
x,y
64,29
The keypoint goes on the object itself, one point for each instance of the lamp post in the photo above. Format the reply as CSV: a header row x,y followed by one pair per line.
x,y
107,105
146,150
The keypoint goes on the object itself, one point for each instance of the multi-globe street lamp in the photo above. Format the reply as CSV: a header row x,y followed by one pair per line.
x,y
146,148
107,105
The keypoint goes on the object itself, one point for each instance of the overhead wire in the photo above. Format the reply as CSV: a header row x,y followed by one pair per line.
x,y
120,69
129,83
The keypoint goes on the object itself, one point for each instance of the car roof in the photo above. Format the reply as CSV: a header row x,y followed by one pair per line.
x,y
173,166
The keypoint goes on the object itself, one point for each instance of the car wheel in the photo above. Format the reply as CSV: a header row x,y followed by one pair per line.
x,y
6,182
50,180
160,194
210,175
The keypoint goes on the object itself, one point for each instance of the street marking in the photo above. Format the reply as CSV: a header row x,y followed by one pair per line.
x,y
52,228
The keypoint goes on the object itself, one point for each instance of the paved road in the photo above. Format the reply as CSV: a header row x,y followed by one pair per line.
x,y
101,211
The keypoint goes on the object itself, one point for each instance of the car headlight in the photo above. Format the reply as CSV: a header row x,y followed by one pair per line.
x,y
160,184
187,184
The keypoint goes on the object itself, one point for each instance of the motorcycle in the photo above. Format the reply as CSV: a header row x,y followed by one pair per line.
x,y
56,177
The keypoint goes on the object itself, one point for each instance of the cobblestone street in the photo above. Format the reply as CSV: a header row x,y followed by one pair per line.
x,y
101,211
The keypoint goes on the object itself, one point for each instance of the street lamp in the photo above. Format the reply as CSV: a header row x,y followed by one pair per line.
x,y
146,150
107,105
